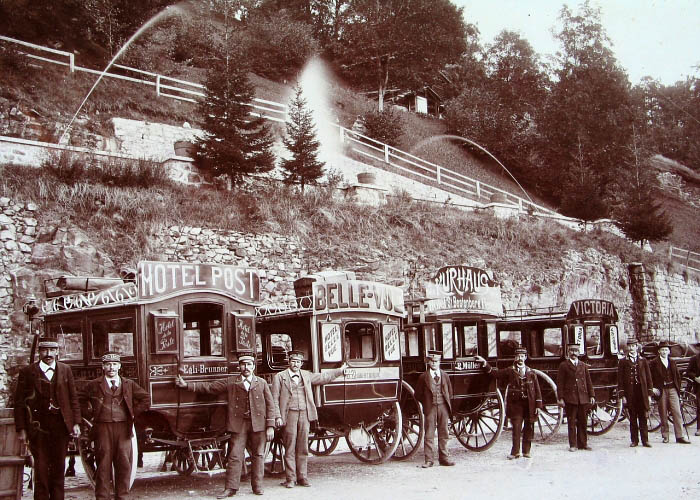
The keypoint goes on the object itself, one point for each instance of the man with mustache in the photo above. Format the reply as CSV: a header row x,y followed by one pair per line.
x,y
47,413
575,394
667,388
115,402
252,414
634,386
524,400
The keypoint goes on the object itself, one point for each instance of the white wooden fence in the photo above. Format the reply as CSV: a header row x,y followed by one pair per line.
x,y
366,147
689,259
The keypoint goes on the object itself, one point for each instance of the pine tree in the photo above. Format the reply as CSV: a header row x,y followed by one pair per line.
x,y
236,143
304,166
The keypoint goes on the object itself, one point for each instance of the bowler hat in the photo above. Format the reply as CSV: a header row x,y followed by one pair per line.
x,y
111,357
47,343
632,341
665,343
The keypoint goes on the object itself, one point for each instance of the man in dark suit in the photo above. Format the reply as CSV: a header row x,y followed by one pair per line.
x,y
575,394
47,412
291,390
693,372
251,416
667,388
524,400
634,387
113,402
434,392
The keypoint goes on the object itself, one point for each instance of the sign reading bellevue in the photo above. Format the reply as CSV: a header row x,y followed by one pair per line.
x,y
463,289
156,279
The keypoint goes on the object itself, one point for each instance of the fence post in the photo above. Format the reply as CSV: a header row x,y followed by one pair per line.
x,y
386,153
520,205
478,190
437,173
158,85
670,252
71,62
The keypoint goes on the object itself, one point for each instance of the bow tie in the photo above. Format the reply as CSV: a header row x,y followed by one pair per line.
x,y
49,369
295,376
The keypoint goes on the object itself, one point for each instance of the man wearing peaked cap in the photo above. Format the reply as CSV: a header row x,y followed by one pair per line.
x,y
667,388
112,403
434,391
634,385
251,416
46,413
524,400
575,394
291,390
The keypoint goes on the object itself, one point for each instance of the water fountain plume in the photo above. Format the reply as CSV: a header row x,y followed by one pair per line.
x,y
172,9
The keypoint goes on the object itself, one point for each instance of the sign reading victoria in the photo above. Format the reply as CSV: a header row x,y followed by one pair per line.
x,y
463,289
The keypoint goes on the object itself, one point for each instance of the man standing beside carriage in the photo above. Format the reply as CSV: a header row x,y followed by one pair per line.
x,y
251,416
46,412
667,388
291,391
693,372
524,400
434,392
575,394
634,386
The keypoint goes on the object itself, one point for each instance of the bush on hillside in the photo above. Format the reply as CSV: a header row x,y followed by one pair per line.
x,y
384,126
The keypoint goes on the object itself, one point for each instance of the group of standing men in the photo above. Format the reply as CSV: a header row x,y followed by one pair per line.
x,y
48,412
254,411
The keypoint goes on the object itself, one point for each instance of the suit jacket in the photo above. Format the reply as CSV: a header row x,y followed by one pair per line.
x,y
694,370
92,398
263,409
657,373
424,390
282,390
574,383
28,385
625,383
509,376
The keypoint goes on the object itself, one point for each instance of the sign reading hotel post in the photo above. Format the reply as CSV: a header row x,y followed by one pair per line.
x,y
160,279
463,289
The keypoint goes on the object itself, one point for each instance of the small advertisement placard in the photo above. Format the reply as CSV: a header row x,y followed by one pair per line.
x,y
331,342
165,336
392,350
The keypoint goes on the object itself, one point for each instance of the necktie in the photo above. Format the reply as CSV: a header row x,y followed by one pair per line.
x,y
246,384
114,386
436,378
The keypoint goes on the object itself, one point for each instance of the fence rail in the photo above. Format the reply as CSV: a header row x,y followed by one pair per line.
x,y
689,259
401,161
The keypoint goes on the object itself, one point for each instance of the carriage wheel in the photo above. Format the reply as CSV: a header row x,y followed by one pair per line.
x,y
550,416
377,442
182,461
479,430
322,442
413,428
689,402
603,416
86,448
653,418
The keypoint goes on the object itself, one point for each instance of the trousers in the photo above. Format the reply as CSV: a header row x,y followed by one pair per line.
x,y
235,459
576,415
296,442
523,426
638,416
437,418
112,449
49,447
669,401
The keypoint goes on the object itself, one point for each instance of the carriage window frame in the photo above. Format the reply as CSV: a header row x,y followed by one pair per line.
x,y
448,340
276,339
596,351
410,343
561,345
467,339
429,337
121,315
54,329
225,327
501,341
347,348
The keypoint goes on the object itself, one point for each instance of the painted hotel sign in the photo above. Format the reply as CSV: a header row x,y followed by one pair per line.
x,y
463,289
158,279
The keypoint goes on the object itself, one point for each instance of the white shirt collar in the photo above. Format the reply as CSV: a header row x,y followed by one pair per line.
x,y
664,361
116,379
45,367
434,373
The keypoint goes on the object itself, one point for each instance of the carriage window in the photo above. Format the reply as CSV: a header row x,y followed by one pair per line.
x,y
113,334
594,341
359,341
447,342
492,338
509,341
70,339
467,336
280,345
429,334
410,344
203,329
552,338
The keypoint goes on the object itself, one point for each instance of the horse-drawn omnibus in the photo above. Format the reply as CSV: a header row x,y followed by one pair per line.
x,y
168,318
336,318
545,332
457,316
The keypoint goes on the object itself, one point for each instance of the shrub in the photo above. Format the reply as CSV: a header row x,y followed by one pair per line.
x,y
384,126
